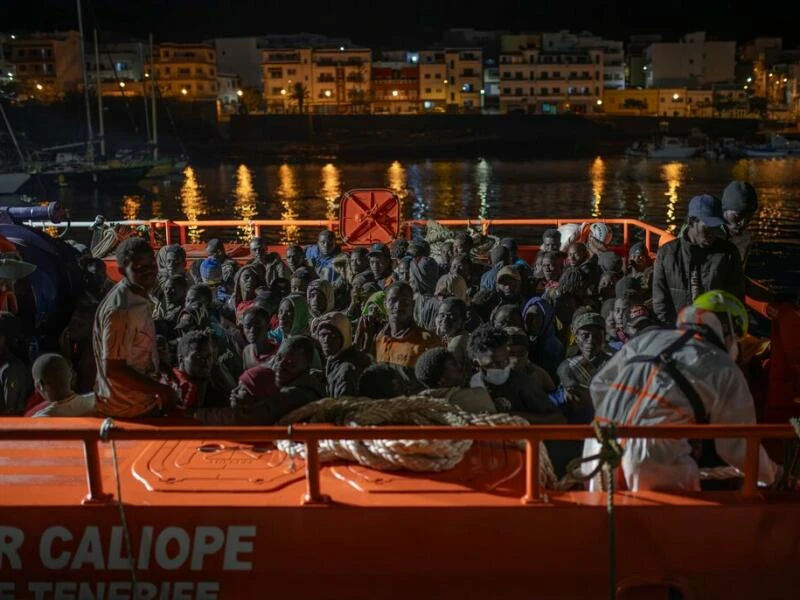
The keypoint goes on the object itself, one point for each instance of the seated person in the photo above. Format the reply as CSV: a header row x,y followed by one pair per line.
x,y
512,391
198,388
441,376
450,326
519,358
52,378
259,348
381,381
344,362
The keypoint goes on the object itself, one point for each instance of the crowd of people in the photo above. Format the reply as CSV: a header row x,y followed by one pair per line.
x,y
581,333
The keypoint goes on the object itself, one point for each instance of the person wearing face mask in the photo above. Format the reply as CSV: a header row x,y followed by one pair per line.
x,y
698,260
513,391
674,376
739,206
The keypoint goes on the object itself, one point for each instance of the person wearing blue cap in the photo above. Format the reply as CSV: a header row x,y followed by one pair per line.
x,y
698,260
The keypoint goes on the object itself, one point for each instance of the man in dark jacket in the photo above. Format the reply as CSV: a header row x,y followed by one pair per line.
x,y
345,362
697,261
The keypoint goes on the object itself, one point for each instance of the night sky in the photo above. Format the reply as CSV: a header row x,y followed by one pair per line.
x,y
403,22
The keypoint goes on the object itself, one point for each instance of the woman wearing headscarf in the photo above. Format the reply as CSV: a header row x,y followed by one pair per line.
x,y
293,320
423,277
246,282
546,349
345,363
319,296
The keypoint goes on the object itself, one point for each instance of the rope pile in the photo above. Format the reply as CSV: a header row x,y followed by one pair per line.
x,y
413,455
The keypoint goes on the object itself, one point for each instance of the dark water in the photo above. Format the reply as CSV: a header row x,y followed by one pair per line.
x,y
656,192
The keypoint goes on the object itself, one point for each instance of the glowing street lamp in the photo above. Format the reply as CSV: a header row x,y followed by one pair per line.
x,y
122,84
599,102
239,93
395,93
749,80
283,91
327,93
184,91
445,81
39,87
675,96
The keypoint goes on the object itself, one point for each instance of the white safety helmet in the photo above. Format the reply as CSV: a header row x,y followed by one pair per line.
x,y
601,233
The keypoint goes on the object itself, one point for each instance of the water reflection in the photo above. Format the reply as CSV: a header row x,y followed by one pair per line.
x,y
673,174
193,202
130,207
396,178
598,174
287,194
483,178
245,198
331,190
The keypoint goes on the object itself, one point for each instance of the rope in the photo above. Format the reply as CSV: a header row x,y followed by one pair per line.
x,y
412,455
791,461
608,459
105,431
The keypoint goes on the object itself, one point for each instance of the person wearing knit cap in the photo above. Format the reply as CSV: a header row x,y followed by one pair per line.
x,y
639,319
640,266
345,363
610,262
576,372
211,271
424,275
499,257
739,206
440,374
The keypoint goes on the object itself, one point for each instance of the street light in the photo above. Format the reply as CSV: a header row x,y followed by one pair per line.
x,y
122,84
445,81
599,102
749,79
39,87
327,93
395,93
283,91
675,96
147,74
184,91
239,93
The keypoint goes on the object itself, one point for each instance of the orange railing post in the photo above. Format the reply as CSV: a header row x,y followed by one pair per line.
x,y
94,476
313,493
750,485
533,489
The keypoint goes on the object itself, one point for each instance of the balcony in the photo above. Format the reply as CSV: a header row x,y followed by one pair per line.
x,y
354,61
282,57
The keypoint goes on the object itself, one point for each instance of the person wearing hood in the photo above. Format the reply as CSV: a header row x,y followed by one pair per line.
x,y
698,260
319,297
513,391
372,319
499,257
423,277
293,318
247,281
321,255
259,348
439,373
739,206
345,363
678,376
546,348
640,266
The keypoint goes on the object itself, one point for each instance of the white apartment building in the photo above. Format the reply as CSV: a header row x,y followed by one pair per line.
x,y
545,82
432,80
692,62
464,87
239,56
613,53
284,69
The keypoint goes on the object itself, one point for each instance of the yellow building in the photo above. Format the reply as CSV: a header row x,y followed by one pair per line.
x,y
631,102
186,71
47,65
322,80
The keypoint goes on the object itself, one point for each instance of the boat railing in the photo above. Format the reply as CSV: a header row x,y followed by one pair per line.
x,y
92,432
652,236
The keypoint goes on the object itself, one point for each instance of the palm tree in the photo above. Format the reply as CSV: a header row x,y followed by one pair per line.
x,y
300,94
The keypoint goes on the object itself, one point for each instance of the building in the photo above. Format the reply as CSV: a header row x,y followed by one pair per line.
x,y
692,62
776,78
636,61
517,42
240,56
545,82
491,87
47,64
432,80
122,67
323,80
395,87
662,102
229,89
186,71
464,82
613,53
633,102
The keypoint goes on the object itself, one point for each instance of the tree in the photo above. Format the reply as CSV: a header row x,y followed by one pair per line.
x,y
300,94
252,100
635,103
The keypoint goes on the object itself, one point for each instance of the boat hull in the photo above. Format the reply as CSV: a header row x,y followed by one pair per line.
x,y
672,153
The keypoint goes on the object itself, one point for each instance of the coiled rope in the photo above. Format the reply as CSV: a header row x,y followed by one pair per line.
x,y
105,430
608,458
412,455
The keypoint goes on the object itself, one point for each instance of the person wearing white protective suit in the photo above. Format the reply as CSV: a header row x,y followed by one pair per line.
x,y
700,384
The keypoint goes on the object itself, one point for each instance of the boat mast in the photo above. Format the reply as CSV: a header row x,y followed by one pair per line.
x,y
89,133
144,94
13,137
153,100
99,87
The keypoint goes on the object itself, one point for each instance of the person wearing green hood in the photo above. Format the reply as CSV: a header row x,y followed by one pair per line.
x,y
293,318
372,320
345,363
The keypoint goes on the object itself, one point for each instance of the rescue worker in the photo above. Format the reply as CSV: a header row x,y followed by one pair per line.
x,y
688,375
